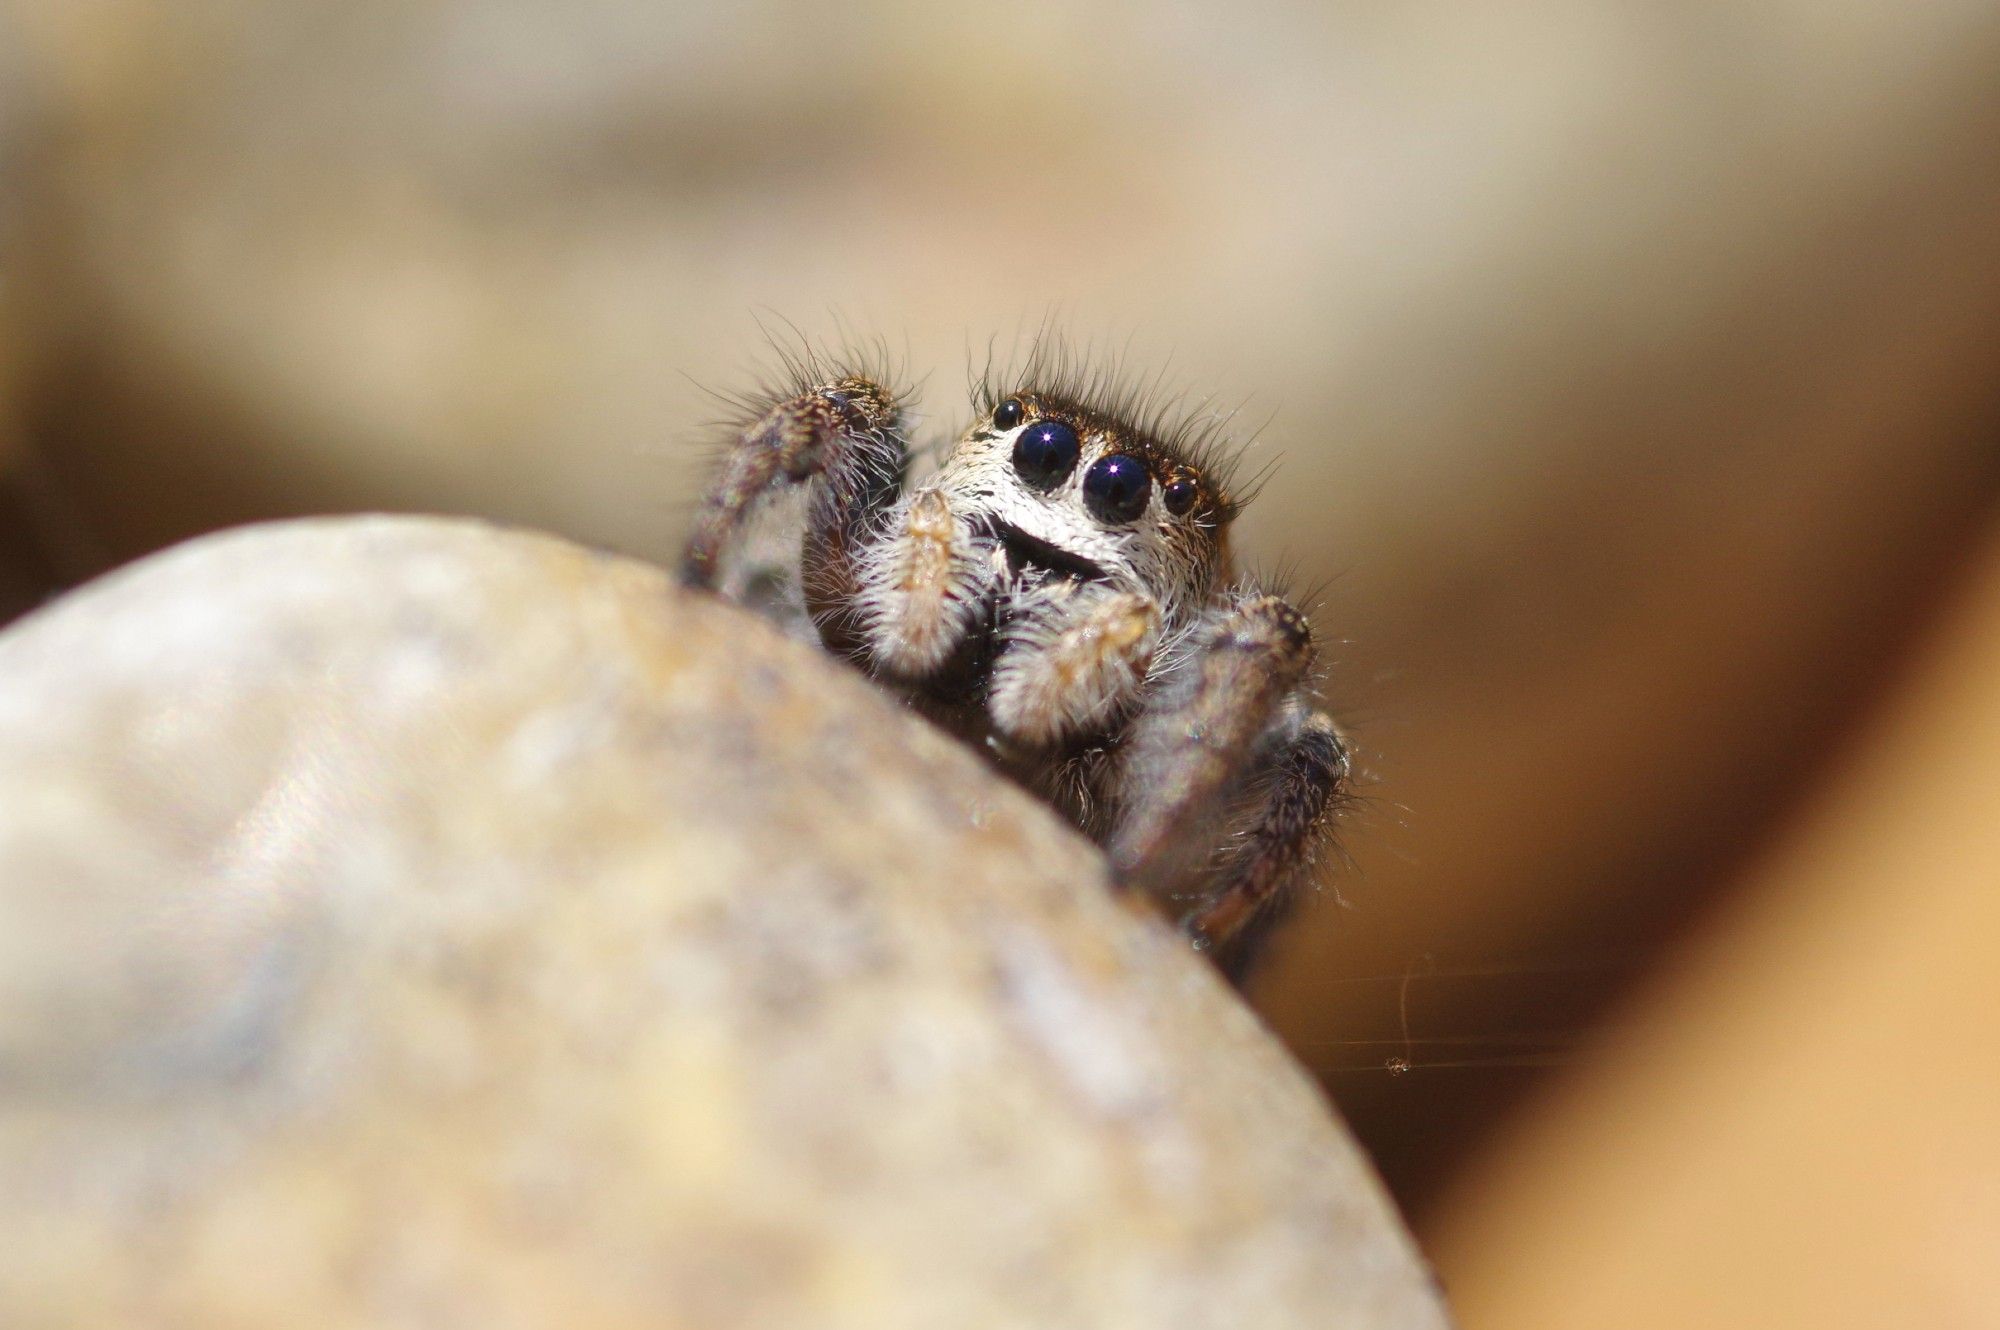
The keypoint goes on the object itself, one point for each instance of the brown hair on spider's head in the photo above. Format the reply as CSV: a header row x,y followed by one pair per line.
x,y
1181,438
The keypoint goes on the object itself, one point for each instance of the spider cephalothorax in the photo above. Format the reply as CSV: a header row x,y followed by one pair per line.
x,y
1058,591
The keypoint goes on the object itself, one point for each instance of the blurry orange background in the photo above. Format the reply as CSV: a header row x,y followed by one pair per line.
x,y
1631,375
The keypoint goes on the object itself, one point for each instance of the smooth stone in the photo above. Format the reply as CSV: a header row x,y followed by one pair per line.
x,y
407,922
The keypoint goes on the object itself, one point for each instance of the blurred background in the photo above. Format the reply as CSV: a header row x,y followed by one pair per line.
x,y
1630,370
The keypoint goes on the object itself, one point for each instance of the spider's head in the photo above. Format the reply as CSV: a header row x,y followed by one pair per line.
x,y
1072,490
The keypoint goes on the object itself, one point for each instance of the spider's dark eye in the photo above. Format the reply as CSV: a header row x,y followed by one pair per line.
x,y
1179,495
1045,452
1116,488
1008,414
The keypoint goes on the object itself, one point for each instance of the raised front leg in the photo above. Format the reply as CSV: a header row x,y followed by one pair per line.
x,y
844,441
1229,754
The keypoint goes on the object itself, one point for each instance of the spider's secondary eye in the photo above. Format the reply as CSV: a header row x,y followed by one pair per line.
x,y
1008,414
1179,495
1045,452
1116,488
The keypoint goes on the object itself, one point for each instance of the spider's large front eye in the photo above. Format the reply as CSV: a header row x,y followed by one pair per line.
x,y
1008,414
1116,488
1045,453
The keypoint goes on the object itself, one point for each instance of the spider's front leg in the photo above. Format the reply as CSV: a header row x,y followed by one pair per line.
x,y
844,440
1231,753
1300,777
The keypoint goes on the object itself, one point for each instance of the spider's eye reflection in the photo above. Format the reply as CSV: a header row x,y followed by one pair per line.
x,y
1045,452
1116,488
1008,414
1179,495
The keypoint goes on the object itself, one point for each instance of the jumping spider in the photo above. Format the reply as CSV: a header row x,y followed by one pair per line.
x,y
1058,592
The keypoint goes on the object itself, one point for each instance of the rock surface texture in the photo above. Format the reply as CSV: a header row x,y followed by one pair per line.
x,y
410,923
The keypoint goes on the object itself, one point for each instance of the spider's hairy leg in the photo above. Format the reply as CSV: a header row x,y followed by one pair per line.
x,y
1201,732
921,586
1073,656
846,435
1299,780
1229,720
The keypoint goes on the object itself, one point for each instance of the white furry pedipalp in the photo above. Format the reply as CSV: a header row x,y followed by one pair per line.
x,y
1070,657
923,584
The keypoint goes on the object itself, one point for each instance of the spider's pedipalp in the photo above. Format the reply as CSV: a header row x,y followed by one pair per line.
x,y
1072,655
922,586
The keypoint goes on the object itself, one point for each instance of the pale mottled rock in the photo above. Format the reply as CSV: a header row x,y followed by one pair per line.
x,y
408,923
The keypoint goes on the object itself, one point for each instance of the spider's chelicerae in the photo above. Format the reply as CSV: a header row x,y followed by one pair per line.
x,y
1059,592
